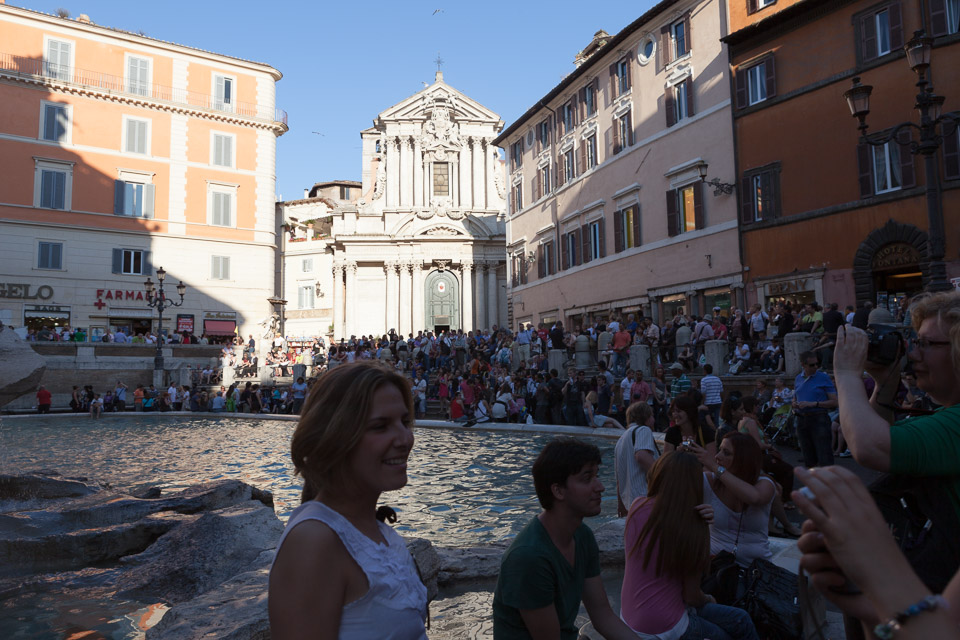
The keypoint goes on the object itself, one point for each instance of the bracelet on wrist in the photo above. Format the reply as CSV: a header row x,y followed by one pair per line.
x,y
888,629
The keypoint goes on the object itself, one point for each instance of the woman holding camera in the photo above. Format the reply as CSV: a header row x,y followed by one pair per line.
x,y
687,429
741,495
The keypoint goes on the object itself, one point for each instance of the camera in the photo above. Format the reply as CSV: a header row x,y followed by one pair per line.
x,y
885,343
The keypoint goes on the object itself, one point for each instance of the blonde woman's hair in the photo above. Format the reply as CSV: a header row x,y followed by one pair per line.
x,y
334,419
946,307
592,397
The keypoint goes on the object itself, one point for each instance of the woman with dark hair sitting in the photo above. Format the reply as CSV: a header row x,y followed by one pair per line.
x,y
741,496
338,571
730,413
687,428
667,544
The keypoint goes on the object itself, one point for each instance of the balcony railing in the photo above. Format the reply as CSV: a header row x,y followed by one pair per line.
x,y
32,67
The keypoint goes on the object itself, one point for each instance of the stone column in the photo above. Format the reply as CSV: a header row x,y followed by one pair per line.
x,y
417,174
404,325
389,319
493,309
466,308
338,301
490,196
693,303
466,181
351,298
406,173
716,354
481,271
393,172
793,345
417,295
479,180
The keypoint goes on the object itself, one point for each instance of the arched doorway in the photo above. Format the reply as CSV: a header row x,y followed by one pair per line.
x,y
442,300
891,263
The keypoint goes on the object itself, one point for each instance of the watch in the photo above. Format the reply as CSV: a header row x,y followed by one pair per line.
x,y
720,471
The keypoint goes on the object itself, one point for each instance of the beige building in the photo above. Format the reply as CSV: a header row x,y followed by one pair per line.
x,y
422,248
608,209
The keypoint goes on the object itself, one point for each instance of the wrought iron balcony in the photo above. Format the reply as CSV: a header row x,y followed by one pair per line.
x,y
26,67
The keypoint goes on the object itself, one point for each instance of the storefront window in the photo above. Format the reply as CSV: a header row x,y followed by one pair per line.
x,y
672,305
718,298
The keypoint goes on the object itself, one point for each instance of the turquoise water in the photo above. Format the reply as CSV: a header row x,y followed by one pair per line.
x,y
465,487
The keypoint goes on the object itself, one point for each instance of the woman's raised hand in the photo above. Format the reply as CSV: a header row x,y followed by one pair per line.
x,y
706,512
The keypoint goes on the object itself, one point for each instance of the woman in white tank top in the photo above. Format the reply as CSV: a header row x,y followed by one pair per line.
x,y
339,572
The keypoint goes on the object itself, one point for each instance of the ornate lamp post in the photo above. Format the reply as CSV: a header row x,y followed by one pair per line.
x,y
929,106
157,299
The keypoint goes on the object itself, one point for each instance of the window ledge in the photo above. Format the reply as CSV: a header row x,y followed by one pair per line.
x,y
678,61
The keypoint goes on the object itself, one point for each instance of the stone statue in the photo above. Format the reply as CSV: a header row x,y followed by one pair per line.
x,y
270,324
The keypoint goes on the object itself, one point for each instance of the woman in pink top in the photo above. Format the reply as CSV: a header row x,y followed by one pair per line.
x,y
667,543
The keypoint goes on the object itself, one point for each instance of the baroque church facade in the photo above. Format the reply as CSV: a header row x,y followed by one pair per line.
x,y
423,246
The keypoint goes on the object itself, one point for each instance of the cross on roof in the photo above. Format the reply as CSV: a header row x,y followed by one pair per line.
x,y
439,61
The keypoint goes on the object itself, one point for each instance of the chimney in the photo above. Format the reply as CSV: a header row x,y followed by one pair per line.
x,y
84,18
439,76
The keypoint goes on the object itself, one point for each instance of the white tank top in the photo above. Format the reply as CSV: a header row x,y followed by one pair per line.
x,y
395,606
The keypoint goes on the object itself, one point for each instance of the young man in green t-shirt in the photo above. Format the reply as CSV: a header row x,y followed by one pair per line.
x,y
554,563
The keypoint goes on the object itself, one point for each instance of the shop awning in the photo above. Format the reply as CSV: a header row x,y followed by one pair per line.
x,y
219,327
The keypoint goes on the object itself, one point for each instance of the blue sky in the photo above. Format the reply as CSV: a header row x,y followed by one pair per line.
x,y
345,62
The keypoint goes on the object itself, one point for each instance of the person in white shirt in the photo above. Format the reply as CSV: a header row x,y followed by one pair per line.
x,y
174,397
420,396
635,453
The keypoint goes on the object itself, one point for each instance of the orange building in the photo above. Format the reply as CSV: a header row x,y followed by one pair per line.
x,y
822,216
121,153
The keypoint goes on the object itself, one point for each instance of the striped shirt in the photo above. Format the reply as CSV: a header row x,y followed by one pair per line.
x,y
712,389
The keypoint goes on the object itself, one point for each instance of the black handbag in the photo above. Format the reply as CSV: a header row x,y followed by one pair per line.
x,y
770,594
772,598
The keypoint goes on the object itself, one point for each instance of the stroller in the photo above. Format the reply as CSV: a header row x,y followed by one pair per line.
x,y
782,428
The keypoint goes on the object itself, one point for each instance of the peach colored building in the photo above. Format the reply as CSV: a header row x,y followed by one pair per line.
x,y
608,210
122,153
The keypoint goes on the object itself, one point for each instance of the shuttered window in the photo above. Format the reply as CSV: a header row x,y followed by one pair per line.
x,y
944,17
951,156
50,255
305,296
880,31
138,76
57,62
220,267
626,229
886,168
53,189
756,82
685,209
133,199
55,122
137,136
222,209
222,150
760,194
223,98
131,262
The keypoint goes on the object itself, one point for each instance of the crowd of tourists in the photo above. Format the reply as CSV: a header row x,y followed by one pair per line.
x,y
698,510
239,397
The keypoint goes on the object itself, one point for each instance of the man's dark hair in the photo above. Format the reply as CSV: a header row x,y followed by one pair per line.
x,y
601,365
560,459
807,355
708,368
554,373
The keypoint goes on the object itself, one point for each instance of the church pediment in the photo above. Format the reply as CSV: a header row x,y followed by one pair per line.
x,y
419,106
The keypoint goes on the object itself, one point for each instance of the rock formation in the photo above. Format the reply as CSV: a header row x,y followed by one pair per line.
x,y
21,368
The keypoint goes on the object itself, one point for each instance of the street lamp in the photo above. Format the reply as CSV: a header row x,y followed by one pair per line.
x,y
156,299
929,106
718,187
